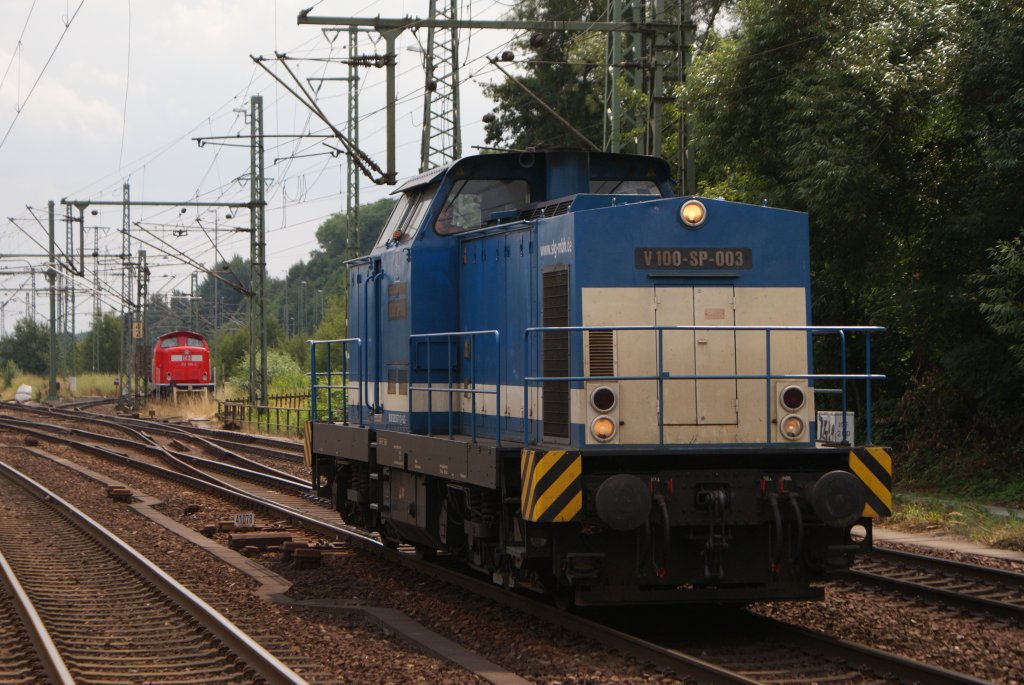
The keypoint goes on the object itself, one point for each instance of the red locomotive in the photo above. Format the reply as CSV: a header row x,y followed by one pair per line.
x,y
181,362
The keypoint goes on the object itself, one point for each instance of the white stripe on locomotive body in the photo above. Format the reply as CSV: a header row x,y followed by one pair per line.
x,y
711,411
511,399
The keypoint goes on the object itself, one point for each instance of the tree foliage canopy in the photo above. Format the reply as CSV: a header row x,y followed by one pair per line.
x,y
899,126
28,346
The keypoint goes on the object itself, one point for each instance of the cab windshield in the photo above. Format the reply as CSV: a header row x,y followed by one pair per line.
x,y
479,202
616,186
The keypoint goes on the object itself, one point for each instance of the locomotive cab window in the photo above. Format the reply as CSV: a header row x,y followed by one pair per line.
x,y
618,186
406,217
193,342
477,202
168,342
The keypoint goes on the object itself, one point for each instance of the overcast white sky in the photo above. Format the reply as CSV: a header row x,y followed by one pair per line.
x,y
130,85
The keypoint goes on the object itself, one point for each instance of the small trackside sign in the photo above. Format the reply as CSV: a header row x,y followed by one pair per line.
x,y
244,520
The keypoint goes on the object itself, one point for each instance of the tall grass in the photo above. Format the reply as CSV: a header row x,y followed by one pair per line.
x,y
962,517
188,406
86,385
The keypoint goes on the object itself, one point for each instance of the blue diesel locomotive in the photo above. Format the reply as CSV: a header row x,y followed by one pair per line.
x,y
575,382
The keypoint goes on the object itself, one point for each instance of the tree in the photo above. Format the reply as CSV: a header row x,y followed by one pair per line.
x,y
28,347
567,72
575,91
336,235
1002,295
106,333
898,127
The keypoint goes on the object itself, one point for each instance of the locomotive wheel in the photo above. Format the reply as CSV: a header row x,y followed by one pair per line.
x,y
564,598
425,553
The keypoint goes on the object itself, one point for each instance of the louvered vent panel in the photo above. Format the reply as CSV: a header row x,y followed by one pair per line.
x,y
548,210
601,353
555,348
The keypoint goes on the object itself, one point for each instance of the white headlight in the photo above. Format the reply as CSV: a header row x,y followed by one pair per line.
x,y
792,427
603,428
692,213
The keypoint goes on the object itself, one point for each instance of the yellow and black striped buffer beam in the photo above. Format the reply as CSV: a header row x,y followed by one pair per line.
x,y
307,445
552,485
873,465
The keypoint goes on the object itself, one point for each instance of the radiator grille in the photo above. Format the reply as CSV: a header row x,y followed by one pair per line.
x,y
555,350
601,353
548,210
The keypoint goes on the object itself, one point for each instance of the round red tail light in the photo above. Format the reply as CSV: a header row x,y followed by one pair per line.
x,y
603,398
792,397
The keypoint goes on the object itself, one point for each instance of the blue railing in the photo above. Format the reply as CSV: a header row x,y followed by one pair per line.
x,y
661,376
449,389
315,386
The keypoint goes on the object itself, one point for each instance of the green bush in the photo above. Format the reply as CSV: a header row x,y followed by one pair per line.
x,y
284,375
8,371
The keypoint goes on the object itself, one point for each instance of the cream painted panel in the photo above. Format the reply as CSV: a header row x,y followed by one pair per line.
x,y
715,354
398,402
708,435
769,307
675,308
636,355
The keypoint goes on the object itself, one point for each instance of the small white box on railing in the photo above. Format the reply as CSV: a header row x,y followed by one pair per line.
x,y
830,427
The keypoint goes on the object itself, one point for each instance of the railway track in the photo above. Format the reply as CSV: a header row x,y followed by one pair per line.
x,y
791,655
167,454
725,646
970,587
225,444
265,445
282,499
113,615
27,654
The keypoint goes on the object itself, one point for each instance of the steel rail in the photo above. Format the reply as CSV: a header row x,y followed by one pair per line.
x,y
147,426
252,653
76,410
180,460
46,650
213,486
903,668
260,444
979,598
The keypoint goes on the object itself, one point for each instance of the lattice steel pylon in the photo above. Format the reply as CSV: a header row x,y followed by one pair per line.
x,y
140,348
624,55
193,302
258,259
352,172
654,63
96,310
442,137
126,370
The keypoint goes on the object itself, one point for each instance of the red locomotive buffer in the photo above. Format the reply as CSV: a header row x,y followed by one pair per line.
x,y
181,362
